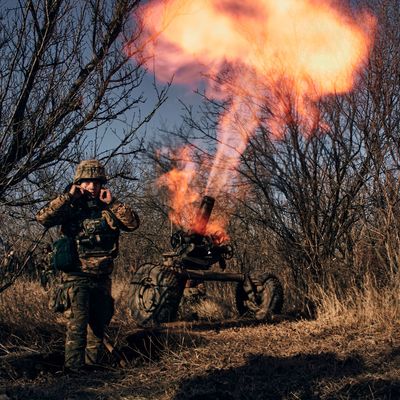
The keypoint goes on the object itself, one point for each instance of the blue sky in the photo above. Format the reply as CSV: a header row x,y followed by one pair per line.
x,y
170,113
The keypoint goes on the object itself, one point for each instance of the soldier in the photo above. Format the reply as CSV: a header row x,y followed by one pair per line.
x,y
91,220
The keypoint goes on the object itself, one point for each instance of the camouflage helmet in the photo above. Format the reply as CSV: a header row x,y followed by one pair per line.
x,y
90,169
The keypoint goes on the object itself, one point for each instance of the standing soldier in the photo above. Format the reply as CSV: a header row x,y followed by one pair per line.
x,y
91,220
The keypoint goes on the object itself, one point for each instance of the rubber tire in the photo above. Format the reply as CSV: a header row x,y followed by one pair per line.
x,y
155,294
268,297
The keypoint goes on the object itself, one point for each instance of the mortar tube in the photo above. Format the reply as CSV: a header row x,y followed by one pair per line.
x,y
203,214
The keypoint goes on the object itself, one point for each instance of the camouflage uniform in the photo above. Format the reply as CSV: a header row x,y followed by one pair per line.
x,y
94,227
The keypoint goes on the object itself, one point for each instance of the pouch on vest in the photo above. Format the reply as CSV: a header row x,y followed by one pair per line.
x,y
59,300
64,255
97,239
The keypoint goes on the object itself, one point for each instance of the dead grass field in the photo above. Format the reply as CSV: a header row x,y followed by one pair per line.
x,y
351,351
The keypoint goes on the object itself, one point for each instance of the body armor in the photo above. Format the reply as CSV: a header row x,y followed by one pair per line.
x,y
97,239
93,227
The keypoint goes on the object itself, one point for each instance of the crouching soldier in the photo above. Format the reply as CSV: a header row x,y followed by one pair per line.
x,y
91,220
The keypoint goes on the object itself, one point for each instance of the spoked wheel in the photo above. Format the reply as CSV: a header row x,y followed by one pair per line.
x,y
259,296
155,294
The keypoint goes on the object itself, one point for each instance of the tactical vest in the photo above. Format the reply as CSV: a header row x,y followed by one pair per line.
x,y
97,239
92,234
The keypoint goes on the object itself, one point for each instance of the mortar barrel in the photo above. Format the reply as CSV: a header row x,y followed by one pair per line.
x,y
204,213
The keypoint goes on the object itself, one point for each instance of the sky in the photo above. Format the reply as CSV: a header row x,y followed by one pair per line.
x,y
167,118
170,113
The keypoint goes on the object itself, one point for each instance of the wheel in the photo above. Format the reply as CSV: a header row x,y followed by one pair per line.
x,y
155,294
259,296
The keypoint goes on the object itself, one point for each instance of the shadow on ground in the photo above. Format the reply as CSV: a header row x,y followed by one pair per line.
x,y
38,376
304,376
150,344
135,349
25,352
298,377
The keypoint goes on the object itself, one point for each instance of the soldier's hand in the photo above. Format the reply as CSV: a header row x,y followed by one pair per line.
x,y
76,192
105,196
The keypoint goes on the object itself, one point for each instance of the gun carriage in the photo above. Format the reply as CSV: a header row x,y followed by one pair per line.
x,y
157,289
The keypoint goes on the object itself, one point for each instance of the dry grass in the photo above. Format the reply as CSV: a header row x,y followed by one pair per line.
x,y
351,351
368,304
120,293
217,305
25,318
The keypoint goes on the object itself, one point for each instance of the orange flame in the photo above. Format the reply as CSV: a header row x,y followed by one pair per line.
x,y
288,49
179,181
182,184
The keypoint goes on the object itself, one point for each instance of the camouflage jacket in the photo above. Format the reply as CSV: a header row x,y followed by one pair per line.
x,y
94,226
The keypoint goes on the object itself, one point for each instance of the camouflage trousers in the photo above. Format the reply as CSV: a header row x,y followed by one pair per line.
x,y
90,310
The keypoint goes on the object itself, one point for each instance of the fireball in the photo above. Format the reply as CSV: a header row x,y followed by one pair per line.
x,y
294,52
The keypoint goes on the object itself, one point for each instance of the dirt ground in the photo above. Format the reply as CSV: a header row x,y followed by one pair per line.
x,y
284,359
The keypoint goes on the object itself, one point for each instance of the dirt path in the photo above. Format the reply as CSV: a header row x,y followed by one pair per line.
x,y
232,360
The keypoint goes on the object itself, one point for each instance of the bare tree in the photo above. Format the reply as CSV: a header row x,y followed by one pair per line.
x,y
64,75
307,190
